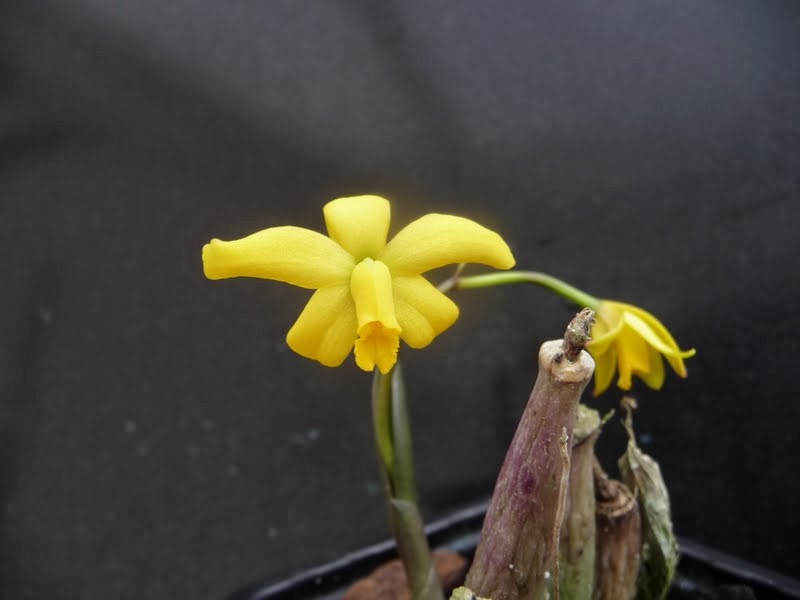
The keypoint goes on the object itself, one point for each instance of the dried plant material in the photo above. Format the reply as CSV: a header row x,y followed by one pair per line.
x,y
659,547
619,539
577,544
564,449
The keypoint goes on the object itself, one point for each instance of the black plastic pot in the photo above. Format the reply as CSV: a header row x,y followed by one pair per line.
x,y
703,573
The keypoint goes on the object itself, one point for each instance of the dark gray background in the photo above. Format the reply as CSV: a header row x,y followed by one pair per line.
x,y
158,438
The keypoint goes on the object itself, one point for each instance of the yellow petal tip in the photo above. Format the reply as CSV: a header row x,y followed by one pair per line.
x,y
509,264
210,263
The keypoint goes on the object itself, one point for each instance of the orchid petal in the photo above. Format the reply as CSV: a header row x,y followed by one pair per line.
x,y
654,376
378,329
638,350
624,382
359,224
376,346
607,326
293,255
671,351
436,240
423,312
326,329
674,355
605,367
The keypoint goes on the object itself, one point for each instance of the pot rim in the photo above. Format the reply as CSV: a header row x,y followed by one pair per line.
x,y
459,531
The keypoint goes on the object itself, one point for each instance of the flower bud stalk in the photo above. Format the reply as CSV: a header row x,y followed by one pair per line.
x,y
393,441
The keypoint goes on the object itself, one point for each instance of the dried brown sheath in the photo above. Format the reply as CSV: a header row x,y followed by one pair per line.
x,y
642,475
619,539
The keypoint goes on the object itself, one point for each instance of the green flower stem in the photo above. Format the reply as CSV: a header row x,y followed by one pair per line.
x,y
544,280
393,441
382,419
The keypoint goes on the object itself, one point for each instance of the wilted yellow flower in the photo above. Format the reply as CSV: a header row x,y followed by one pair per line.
x,y
632,340
369,293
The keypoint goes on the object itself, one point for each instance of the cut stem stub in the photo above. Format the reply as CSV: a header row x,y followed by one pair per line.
x,y
516,554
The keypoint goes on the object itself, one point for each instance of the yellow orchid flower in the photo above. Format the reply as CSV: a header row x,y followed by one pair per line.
x,y
632,340
369,293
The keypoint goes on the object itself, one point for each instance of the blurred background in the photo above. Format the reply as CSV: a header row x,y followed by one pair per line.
x,y
157,437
